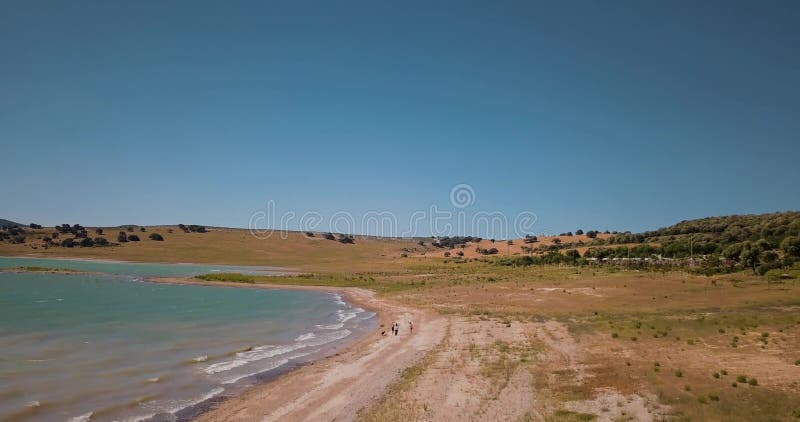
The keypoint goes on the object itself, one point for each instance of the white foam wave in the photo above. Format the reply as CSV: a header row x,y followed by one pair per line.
x,y
271,366
330,327
178,405
338,299
198,359
269,351
82,418
306,336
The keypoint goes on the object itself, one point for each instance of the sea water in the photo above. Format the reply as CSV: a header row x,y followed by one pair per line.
x,y
106,344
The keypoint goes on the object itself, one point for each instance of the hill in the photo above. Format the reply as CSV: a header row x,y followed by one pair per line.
x,y
9,223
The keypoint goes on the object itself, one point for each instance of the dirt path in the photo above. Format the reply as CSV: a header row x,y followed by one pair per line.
x,y
338,387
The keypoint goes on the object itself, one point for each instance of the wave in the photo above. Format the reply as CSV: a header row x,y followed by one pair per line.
x,y
182,404
338,299
82,418
269,351
306,336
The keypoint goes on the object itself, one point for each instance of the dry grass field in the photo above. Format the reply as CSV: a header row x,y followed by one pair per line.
x,y
541,343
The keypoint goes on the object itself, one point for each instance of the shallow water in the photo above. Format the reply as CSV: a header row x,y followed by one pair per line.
x,y
113,347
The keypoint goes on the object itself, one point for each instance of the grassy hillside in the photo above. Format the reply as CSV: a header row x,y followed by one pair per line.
x,y
219,246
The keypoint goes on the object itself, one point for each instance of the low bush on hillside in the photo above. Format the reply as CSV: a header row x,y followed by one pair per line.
x,y
232,277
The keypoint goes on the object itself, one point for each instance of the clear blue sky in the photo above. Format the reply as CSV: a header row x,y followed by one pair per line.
x,y
624,115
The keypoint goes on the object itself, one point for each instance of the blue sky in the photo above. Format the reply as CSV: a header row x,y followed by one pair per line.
x,y
622,115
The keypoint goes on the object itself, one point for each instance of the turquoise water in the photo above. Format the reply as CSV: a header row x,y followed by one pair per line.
x,y
132,268
106,345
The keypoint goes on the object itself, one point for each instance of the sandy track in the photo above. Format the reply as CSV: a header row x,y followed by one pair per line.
x,y
338,387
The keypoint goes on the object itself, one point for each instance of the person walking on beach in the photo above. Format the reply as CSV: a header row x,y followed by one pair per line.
x,y
411,327
396,328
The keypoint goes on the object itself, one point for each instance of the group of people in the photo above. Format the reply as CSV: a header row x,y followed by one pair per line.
x,y
396,328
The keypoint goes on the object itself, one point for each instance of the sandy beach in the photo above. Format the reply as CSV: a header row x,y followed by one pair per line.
x,y
337,387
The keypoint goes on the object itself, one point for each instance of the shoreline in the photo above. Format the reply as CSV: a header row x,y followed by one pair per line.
x,y
342,384
337,385
283,270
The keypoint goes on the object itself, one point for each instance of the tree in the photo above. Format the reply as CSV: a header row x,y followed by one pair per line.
x,y
733,251
749,256
791,246
156,237
86,242
591,234
329,236
68,243
579,232
133,238
573,255
122,237
100,241
98,231
142,229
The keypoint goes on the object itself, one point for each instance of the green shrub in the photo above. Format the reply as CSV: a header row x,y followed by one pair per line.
x,y
232,277
715,374
679,373
753,382
741,378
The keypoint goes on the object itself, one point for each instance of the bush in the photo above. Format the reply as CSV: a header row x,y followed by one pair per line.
x,y
579,232
98,231
142,229
197,229
87,243
530,239
329,236
346,240
156,237
68,243
100,241
122,237
447,254
133,238
791,245
309,234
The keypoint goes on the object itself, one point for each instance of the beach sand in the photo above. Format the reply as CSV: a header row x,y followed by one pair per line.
x,y
337,387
